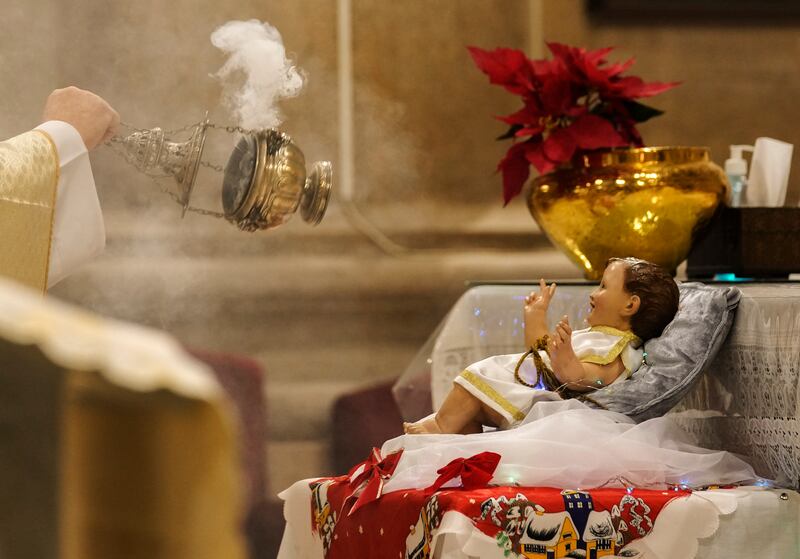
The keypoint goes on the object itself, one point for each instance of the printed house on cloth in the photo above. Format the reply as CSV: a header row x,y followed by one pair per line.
x,y
548,534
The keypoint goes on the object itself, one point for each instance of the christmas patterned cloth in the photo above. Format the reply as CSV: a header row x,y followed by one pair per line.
x,y
529,522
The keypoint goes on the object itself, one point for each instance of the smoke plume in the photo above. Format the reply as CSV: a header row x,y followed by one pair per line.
x,y
257,73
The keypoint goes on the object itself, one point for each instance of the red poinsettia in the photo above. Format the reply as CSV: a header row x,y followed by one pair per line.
x,y
572,102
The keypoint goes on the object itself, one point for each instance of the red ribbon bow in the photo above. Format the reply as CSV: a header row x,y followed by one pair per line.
x,y
475,471
377,469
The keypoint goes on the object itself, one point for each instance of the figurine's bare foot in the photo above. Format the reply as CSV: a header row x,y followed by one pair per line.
x,y
427,426
471,428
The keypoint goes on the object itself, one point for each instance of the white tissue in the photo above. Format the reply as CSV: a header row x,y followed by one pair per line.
x,y
769,173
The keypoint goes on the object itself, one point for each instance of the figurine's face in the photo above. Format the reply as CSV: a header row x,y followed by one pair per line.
x,y
610,304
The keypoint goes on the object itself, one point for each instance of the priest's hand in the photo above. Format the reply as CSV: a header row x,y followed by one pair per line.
x,y
94,119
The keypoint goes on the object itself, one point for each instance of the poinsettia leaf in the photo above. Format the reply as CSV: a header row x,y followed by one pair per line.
x,y
557,96
504,66
593,132
595,57
543,69
576,111
529,131
640,112
627,128
633,87
516,170
558,50
536,156
526,115
510,133
565,61
616,69
654,88
559,145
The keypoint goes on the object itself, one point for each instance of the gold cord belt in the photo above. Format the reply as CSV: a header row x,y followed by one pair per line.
x,y
546,374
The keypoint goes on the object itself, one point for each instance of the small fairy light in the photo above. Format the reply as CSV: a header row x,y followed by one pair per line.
x,y
629,489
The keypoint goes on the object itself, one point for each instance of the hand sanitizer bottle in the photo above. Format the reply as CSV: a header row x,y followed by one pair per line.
x,y
736,169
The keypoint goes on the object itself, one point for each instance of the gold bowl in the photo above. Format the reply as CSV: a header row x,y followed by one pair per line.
x,y
647,202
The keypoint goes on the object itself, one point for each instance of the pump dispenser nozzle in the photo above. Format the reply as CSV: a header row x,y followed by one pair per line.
x,y
736,169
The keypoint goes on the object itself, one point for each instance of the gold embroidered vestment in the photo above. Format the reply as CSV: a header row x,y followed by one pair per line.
x,y
29,172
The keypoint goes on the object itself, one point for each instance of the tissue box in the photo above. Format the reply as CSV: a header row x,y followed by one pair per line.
x,y
748,242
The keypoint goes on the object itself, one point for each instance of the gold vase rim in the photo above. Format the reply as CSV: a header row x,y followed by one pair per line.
x,y
650,154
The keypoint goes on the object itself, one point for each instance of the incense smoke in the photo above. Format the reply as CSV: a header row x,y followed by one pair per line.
x,y
255,52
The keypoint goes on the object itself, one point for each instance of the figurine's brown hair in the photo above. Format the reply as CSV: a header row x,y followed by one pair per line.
x,y
658,295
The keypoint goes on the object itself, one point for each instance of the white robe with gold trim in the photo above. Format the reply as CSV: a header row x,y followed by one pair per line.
x,y
492,380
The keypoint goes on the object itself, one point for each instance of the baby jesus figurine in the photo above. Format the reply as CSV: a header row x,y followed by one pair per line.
x,y
634,302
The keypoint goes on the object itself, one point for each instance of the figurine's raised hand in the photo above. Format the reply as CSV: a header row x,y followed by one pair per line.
x,y
540,301
562,355
535,312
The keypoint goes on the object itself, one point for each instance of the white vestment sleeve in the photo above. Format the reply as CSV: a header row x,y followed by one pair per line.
x,y
78,229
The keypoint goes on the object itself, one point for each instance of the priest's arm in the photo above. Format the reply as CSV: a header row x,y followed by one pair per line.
x,y
50,218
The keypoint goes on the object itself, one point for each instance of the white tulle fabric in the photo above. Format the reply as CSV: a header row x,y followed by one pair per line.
x,y
567,444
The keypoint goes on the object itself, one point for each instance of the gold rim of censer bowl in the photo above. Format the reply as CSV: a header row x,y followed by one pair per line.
x,y
265,183
647,202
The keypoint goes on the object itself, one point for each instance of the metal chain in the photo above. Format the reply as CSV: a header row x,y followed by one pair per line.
x,y
184,129
192,209
112,143
217,168
232,129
